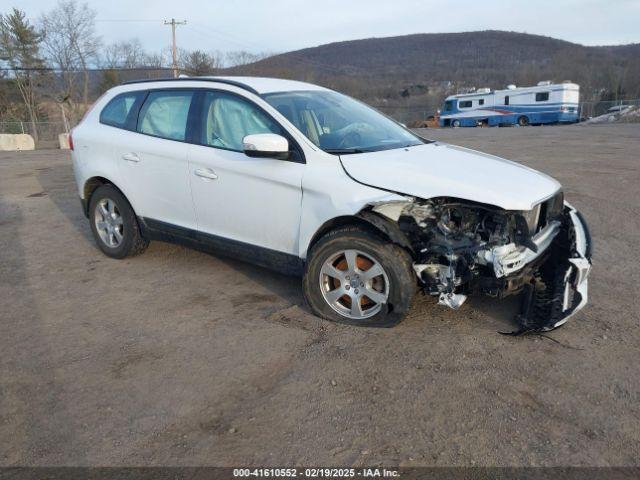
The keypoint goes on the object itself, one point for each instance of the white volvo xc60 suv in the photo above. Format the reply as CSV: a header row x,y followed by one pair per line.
x,y
308,181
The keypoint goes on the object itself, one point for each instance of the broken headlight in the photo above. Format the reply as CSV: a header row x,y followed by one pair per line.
x,y
532,217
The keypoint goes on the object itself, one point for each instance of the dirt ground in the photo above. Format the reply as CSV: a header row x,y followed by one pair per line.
x,y
177,357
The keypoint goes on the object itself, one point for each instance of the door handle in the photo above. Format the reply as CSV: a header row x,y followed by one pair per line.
x,y
130,157
205,173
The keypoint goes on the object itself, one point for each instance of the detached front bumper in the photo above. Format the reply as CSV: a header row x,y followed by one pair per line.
x,y
576,277
559,286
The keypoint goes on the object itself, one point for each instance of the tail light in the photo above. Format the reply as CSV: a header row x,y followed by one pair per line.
x,y
71,140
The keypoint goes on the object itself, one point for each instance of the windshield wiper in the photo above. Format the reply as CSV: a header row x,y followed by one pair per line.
x,y
344,151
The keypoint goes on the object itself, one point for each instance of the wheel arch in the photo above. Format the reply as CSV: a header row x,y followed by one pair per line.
x,y
367,220
91,185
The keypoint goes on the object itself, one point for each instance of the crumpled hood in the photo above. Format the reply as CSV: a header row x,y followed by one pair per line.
x,y
442,170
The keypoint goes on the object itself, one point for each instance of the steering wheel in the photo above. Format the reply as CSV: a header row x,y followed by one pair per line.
x,y
351,138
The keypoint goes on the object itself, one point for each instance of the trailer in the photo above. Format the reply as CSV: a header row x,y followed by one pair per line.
x,y
545,103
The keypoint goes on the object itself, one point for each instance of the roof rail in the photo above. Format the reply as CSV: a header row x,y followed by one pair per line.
x,y
244,86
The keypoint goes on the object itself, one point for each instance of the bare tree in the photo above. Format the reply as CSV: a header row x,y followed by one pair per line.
x,y
125,54
242,57
20,49
70,42
198,62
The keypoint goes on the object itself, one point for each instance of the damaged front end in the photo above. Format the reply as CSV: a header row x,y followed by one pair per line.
x,y
461,247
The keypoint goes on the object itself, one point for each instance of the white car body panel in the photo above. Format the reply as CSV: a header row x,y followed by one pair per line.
x,y
329,193
441,170
252,200
162,171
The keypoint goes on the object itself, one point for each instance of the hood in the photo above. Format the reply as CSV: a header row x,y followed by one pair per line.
x,y
441,170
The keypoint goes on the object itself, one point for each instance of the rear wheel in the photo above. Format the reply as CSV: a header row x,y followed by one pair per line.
x,y
114,224
354,277
523,121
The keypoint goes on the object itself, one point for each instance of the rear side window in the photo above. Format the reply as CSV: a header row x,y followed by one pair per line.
x,y
506,100
465,104
542,96
120,111
481,101
164,114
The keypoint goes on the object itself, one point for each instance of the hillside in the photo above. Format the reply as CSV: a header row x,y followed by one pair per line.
x,y
430,65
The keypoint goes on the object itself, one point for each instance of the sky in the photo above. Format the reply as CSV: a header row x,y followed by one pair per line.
x,y
284,25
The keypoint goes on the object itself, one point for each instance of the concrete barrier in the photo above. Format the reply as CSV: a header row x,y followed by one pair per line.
x,y
19,141
63,140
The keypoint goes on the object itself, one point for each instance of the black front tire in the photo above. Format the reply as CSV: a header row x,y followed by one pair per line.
x,y
523,121
133,243
395,261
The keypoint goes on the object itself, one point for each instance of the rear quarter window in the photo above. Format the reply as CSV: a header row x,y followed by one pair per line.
x,y
121,110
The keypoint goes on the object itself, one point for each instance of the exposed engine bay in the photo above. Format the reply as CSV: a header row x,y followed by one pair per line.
x,y
461,247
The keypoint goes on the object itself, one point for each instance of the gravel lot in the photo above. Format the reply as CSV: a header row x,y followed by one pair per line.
x,y
177,357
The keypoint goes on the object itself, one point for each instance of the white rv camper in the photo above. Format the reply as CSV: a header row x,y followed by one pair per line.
x,y
545,103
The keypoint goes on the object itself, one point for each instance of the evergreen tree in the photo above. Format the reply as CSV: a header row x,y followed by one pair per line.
x,y
20,50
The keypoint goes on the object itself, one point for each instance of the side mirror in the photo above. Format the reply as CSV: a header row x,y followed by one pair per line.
x,y
266,145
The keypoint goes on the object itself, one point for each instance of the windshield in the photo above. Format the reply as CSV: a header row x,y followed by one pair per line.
x,y
339,124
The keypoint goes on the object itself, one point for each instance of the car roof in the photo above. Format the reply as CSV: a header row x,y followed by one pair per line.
x,y
271,85
257,85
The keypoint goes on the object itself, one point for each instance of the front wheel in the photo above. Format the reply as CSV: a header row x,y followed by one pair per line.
x,y
455,123
523,121
354,277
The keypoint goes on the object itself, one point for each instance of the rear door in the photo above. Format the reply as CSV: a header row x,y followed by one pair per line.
x,y
153,159
250,200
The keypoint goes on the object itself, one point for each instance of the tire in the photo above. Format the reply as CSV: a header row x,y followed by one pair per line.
x,y
121,235
523,121
455,123
397,281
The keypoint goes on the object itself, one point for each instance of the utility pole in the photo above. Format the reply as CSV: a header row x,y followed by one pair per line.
x,y
174,48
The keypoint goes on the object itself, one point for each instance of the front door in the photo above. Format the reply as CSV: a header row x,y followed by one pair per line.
x,y
255,201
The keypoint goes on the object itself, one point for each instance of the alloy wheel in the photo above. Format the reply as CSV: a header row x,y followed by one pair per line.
x,y
109,224
354,284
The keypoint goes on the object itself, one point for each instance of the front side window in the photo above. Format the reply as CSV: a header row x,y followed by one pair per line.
x,y
339,124
119,111
542,96
465,104
227,119
448,106
164,114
